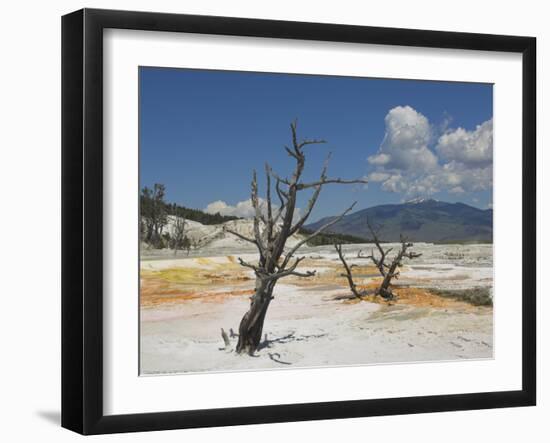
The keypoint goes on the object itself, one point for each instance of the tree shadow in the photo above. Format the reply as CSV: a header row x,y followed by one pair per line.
x,y
267,343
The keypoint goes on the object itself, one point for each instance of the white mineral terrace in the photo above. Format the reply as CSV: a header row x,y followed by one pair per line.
x,y
186,300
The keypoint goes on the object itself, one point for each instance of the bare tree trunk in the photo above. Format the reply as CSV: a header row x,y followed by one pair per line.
x,y
272,227
384,290
252,323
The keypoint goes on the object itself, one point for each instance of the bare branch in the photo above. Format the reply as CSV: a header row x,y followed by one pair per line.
x,y
269,225
292,154
293,126
278,178
280,192
312,200
302,186
251,266
242,237
377,243
268,190
300,274
258,216
348,274
309,208
292,271
379,263
316,233
304,143
280,212
282,195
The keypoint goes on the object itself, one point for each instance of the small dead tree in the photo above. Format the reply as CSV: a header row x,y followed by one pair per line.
x,y
273,225
348,274
154,214
387,271
186,244
178,232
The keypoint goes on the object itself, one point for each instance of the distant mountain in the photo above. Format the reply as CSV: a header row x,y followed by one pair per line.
x,y
424,220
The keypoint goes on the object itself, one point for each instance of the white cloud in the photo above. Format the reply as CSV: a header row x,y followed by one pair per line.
x,y
218,206
405,144
422,185
394,183
242,209
474,148
378,176
457,190
405,163
379,159
470,178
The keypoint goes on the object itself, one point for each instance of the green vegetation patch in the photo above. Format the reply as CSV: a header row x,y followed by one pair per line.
x,y
198,215
327,238
478,296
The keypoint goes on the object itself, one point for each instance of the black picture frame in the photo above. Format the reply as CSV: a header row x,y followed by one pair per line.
x,y
82,216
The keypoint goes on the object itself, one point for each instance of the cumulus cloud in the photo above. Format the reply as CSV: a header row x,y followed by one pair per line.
x,y
377,176
473,148
242,209
405,144
379,159
394,183
460,161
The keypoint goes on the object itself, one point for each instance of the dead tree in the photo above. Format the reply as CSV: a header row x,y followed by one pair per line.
x,y
348,274
154,213
178,233
186,244
273,225
387,271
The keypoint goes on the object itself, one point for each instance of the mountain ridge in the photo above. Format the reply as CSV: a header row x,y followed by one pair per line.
x,y
425,220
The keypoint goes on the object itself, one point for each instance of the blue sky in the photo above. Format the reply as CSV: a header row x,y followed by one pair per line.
x,y
203,132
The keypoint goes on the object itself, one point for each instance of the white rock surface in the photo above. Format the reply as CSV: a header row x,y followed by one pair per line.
x,y
306,327
211,239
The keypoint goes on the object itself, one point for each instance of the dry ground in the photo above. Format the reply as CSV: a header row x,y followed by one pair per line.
x,y
311,322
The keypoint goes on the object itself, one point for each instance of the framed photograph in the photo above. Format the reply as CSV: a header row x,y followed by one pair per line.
x,y
269,221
